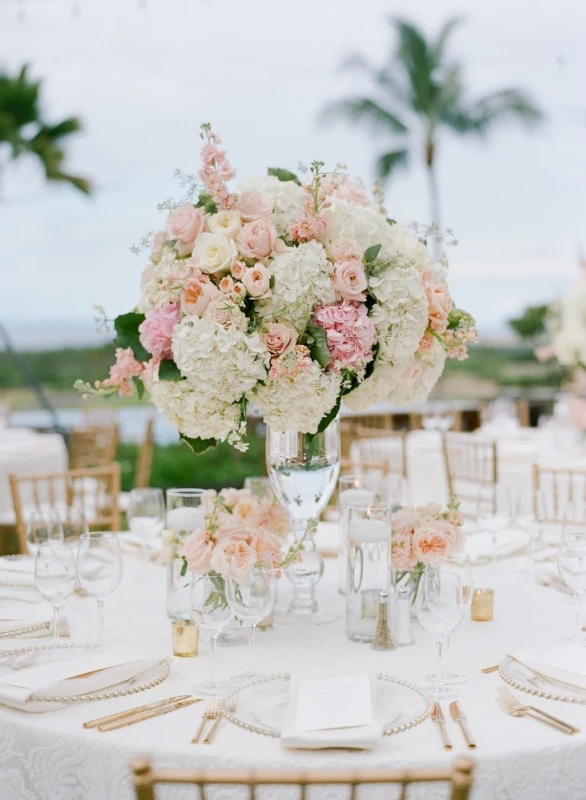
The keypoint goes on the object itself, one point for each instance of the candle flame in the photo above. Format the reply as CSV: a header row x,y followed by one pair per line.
x,y
356,483
368,511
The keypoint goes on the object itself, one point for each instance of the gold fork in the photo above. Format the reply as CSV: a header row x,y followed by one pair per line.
x,y
212,711
510,705
212,731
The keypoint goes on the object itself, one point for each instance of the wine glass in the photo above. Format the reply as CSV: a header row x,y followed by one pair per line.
x,y
73,522
494,510
251,598
55,576
99,569
572,569
43,526
439,605
209,609
531,517
146,516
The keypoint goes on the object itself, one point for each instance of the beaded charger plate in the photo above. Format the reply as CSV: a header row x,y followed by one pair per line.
x,y
527,680
263,704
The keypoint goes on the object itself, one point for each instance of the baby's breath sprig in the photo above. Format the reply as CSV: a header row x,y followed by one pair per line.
x,y
101,320
145,241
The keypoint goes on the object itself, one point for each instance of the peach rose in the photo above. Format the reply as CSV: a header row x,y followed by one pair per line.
x,y
226,284
274,518
231,527
239,290
351,193
185,223
257,281
253,206
226,313
257,239
247,510
197,549
429,543
228,223
350,280
237,270
440,305
344,248
267,547
233,557
279,338
197,295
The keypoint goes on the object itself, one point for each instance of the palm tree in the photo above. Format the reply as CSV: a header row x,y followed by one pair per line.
x,y
419,91
24,132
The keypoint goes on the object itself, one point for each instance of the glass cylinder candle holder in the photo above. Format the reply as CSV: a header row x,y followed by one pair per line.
x,y
185,638
482,605
351,489
185,513
368,527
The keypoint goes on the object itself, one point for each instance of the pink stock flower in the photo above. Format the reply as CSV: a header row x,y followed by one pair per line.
x,y
185,223
197,550
350,333
216,169
257,239
157,329
426,343
350,280
279,338
345,248
253,206
309,227
429,543
197,295
234,557
122,372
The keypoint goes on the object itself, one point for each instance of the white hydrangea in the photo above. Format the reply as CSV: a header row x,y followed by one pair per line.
x,y
165,281
302,281
182,405
222,363
299,403
376,388
400,314
567,325
418,378
407,247
286,196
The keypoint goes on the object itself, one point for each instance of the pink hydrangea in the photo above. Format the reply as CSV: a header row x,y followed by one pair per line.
x,y
122,372
350,333
157,329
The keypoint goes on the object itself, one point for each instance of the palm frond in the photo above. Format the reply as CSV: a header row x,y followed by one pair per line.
x,y
358,109
444,35
414,57
390,162
61,129
508,105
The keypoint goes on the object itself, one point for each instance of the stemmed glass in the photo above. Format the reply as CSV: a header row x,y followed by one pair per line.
x,y
99,569
146,516
531,517
73,522
43,526
572,569
251,598
439,606
494,511
211,613
55,576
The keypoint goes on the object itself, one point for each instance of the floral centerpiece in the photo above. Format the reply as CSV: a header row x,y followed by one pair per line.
x,y
421,534
566,326
289,293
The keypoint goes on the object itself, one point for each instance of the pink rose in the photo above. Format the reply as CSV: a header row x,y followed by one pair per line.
x,y
279,338
231,527
233,557
157,329
351,193
197,295
267,547
158,243
237,270
273,517
185,223
257,281
257,239
344,248
350,333
429,543
253,206
350,280
197,549
247,510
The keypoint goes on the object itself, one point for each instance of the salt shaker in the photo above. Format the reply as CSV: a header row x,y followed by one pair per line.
x,y
382,637
402,617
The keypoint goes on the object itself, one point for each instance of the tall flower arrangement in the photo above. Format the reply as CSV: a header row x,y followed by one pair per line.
x,y
566,325
286,294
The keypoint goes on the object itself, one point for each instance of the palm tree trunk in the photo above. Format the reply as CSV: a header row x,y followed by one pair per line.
x,y
434,201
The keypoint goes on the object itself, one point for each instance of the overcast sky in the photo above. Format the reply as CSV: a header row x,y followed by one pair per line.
x,y
143,81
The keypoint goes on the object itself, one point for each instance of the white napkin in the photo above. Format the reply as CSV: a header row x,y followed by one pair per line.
x,y
548,575
509,542
132,543
17,572
74,672
362,737
565,661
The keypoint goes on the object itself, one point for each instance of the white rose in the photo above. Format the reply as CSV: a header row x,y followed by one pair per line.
x,y
257,281
214,253
226,223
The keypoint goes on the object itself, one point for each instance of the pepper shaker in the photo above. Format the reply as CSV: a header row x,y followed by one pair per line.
x,y
402,617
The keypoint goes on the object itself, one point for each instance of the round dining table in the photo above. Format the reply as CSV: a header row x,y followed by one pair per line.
x,y
50,756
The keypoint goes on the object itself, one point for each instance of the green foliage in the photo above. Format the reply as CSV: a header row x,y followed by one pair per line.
x,y
283,175
58,369
207,203
169,371
139,385
531,323
127,335
371,253
198,446
330,417
317,341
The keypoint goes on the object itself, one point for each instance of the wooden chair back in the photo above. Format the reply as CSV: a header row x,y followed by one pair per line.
x,y
94,491
470,463
142,476
384,451
458,778
94,446
561,486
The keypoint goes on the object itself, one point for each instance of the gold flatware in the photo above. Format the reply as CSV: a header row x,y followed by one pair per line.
x,y
510,705
437,716
157,712
212,731
488,670
94,723
548,678
211,711
458,716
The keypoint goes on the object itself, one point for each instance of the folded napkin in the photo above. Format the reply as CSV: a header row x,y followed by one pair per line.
x,y
131,543
548,575
73,672
565,662
360,737
509,542
17,572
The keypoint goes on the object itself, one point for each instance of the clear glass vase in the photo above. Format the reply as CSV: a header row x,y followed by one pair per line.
x,y
177,590
303,469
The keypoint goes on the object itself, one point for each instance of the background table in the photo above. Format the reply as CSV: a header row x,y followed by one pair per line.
x,y
51,757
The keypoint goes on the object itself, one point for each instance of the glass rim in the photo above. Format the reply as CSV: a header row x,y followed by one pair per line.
x,y
182,492
375,505
98,534
357,478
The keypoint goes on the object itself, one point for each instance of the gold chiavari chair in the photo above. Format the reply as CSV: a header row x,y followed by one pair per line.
x,y
561,486
383,451
94,491
142,476
470,463
94,446
458,778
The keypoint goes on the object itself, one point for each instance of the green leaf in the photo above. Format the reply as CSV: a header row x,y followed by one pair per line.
x,y
139,387
126,326
283,175
169,371
330,416
207,203
371,253
183,568
199,446
317,341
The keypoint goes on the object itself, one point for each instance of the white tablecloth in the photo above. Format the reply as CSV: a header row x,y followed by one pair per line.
x,y
26,452
51,757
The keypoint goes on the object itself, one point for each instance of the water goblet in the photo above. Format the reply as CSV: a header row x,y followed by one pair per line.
x,y
146,516
99,569
43,526
531,517
55,576
73,522
572,569
209,609
494,511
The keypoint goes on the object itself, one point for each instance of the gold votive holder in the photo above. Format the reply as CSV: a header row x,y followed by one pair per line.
x,y
482,605
185,638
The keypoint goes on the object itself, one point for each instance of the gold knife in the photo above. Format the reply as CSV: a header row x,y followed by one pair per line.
x,y
458,716
93,723
158,712
437,716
